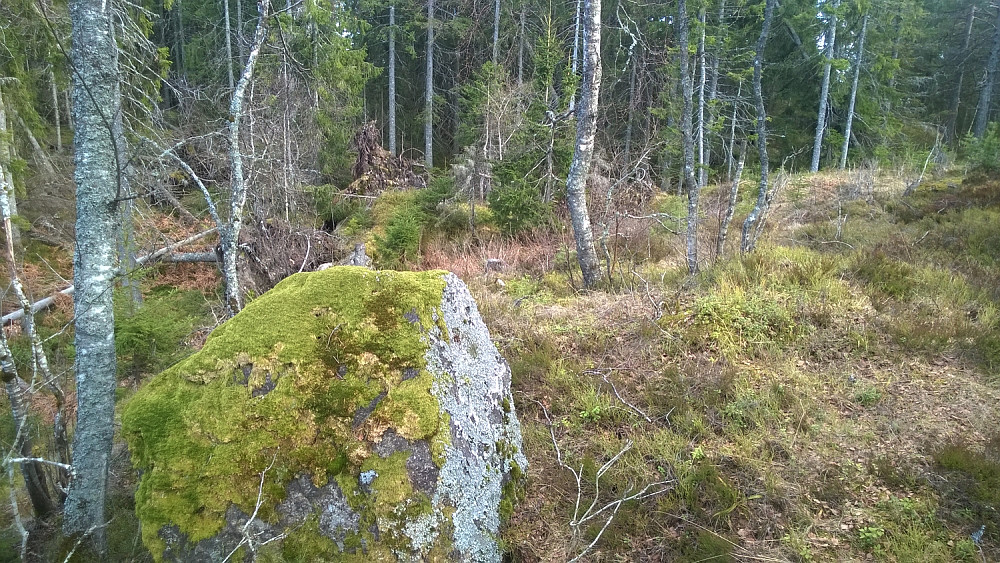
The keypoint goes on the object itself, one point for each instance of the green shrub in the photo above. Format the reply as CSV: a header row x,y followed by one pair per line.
x,y
150,337
401,242
517,208
983,155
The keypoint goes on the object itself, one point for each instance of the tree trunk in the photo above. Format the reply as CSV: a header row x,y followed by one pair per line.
x,y
392,79
496,31
520,50
986,94
586,129
631,113
34,475
575,59
181,58
824,92
720,243
750,225
854,93
55,109
229,44
96,105
238,196
687,134
41,158
732,133
702,82
429,91
6,173
952,130
240,47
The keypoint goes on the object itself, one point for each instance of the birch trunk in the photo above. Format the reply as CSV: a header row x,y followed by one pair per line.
x,y
429,91
34,475
757,215
229,43
824,92
520,51
41,158
631,113
575,59
55,109
688,180
957,100
392,79
720,243
496,32
702,80
986,94
586,129
96,106
854,93
6,174
732,133
231,234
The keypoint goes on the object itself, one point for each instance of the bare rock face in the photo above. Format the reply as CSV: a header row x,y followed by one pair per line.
x,y
346,415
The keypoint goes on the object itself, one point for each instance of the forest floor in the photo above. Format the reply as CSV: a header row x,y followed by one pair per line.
x,y
832,396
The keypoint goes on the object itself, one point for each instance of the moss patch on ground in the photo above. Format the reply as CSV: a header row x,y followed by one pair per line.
x,y
301,382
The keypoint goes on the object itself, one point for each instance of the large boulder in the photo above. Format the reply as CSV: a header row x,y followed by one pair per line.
x,y
347,414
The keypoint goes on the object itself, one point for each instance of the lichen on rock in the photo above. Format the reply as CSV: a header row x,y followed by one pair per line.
x,y
357,414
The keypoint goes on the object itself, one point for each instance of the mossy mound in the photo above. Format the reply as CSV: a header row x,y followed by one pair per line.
x,y
346,414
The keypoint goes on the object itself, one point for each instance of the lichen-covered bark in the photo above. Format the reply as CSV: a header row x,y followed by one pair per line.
x,y
230,235
96,106
688,179
751,225
824,92
371,405
586,128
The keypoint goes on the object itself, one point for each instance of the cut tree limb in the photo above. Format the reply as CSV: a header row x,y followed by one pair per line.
x,y
161,254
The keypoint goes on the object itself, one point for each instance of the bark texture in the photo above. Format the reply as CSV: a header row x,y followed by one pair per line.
x,y
824,92
231,234
854,93
392,80
429,91
986,94
688,180
751,226
96,106
586,128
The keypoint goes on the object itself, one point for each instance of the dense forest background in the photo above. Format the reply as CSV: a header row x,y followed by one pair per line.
x,y
828,394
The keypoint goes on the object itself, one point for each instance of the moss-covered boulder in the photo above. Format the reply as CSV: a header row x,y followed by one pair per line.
x,y
347,415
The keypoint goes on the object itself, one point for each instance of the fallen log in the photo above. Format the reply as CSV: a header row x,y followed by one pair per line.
x,y
168,250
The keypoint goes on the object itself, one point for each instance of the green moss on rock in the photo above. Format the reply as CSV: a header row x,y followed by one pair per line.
x,y
301,382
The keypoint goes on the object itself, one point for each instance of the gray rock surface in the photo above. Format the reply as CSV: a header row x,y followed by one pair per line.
x,y
417,464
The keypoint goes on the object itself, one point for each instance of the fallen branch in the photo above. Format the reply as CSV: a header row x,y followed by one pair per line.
x,y
47,302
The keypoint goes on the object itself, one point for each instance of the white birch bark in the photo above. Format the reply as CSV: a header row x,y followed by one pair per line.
x,y
238,190
751,226
520,50
688,180
702,81
229,43
392,79
720,243
824,93
575,58
586,129
55,109
429,91
496,31
854,93
96,106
